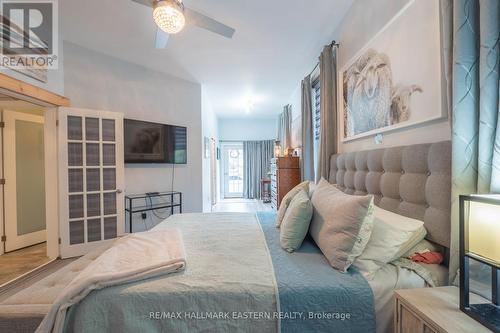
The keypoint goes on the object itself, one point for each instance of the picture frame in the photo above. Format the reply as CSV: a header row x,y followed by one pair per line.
x,y
378,92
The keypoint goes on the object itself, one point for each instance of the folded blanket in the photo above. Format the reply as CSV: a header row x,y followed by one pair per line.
x,y
132,258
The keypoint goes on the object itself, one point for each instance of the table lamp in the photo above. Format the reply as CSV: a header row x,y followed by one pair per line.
x,y
480,240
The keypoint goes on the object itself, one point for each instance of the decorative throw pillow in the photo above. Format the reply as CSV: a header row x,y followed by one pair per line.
x,y
296,222
393,235
341,225
287,199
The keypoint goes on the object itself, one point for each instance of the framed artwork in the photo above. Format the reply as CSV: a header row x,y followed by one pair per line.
x,y
396,80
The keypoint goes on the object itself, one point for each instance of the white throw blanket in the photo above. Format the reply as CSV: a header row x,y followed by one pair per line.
x,y
131,258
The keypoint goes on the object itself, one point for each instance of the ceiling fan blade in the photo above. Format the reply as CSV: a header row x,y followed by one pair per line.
x,y
148,3
161,39
205,22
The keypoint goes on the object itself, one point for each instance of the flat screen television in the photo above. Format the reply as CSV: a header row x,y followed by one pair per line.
x,y
147,142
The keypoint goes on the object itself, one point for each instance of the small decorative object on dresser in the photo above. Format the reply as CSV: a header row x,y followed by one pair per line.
x,y
434,310
285,175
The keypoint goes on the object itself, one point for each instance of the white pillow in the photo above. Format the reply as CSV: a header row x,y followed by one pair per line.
x,y
392,236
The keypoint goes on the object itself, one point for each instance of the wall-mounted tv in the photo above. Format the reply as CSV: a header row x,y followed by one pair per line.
x,y
147,142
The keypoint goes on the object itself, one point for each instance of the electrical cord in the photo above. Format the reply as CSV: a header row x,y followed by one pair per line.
x,y
150,204
154,211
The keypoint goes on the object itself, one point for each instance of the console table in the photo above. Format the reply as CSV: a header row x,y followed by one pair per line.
x,y
146,204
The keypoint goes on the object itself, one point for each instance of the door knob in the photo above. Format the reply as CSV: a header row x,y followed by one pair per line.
x,y
119,191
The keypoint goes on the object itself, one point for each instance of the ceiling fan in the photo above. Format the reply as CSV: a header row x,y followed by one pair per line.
x,y
171,16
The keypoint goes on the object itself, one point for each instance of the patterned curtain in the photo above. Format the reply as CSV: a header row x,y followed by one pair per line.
x,y
257,157
475,126
307,160
328,125
285,128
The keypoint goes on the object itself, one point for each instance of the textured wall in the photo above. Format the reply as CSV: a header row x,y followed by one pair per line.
x,y
364,19
97,81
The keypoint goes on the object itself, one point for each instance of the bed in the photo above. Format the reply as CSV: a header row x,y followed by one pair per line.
x,y
238,279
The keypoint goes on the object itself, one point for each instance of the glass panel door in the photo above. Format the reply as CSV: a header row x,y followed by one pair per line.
x,y
233,166
92,179
24,165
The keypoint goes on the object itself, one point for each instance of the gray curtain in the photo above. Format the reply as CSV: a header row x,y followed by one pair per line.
x,y
328,127
476,127
257,161
285,128
307,160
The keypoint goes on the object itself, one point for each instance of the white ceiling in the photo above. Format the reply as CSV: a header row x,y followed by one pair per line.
x,y
276,43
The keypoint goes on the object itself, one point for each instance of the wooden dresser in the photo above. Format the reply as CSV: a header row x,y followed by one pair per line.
x,y
285,175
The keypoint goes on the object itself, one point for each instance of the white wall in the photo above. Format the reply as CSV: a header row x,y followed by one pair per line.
x,y
364,19
97,81
243,129
210,130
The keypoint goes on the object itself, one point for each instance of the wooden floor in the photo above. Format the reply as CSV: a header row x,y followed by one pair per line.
x,y
241,206
17,263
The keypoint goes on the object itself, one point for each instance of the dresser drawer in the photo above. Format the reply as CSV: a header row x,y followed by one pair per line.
x,y
287,163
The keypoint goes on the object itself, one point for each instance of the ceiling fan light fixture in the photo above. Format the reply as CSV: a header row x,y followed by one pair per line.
x,y
169,15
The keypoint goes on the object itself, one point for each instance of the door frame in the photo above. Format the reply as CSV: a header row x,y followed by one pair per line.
x,y
223,169
10,173
213,172
34,94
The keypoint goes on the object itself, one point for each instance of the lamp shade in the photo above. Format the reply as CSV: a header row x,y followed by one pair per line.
x,y
169,15
483,230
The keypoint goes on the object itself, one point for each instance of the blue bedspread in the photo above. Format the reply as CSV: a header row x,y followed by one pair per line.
x,y
313,296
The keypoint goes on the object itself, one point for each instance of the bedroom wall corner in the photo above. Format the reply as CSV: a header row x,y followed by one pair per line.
x,y
98,81
362,22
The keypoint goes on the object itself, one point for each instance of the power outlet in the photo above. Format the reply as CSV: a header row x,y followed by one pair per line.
x,y
144,215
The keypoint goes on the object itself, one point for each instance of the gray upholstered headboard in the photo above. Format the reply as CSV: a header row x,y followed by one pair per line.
x,y
414,181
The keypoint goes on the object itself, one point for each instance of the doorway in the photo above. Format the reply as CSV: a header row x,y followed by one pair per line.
x,y
233,166
24,189
23,202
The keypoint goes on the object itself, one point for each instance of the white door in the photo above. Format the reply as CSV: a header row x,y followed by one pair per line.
x,y
232,156
24,180
91,179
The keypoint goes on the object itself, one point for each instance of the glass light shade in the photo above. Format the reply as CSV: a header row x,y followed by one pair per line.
x,y
169,16
277,149
483,232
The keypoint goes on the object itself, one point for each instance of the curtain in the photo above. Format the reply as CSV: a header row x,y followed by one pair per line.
x,y
257,160
307,160
285,128
475,126
328,109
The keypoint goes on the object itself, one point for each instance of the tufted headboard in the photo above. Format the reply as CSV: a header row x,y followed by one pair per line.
x,y
414,181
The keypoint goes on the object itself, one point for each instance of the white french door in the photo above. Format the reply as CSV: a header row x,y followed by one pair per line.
x,y
25,180
232,159
91,179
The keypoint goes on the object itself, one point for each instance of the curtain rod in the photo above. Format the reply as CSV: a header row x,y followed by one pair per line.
x,y
332,44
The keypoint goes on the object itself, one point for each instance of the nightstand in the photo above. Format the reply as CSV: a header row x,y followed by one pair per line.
x,y
434,310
